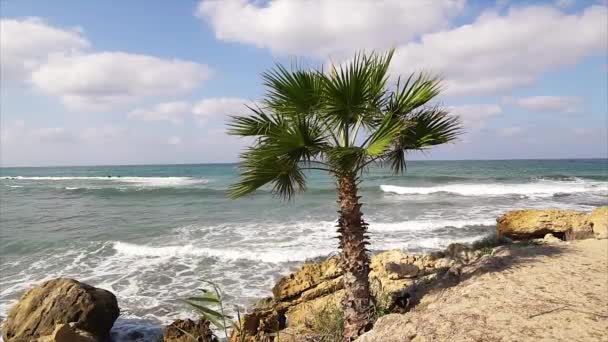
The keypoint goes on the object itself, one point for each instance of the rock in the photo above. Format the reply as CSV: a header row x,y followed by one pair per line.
x,y
390,328
399,271
301,314
58,301
309,276
599,222
530,224
550,238
187,330
444,263
67,333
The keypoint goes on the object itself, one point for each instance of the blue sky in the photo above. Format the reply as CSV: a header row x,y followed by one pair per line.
x,y
146,82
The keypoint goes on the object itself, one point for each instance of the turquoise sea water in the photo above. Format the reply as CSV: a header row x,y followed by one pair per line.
x,y
149,233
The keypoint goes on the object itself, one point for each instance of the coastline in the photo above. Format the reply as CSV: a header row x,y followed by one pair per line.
x,y
488,276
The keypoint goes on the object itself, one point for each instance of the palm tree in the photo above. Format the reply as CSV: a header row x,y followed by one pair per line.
x,y
339,122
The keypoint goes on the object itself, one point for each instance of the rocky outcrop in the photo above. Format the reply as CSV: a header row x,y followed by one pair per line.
x,y
61,301
68,333
301,296
186,330
564,224
521,292
599,222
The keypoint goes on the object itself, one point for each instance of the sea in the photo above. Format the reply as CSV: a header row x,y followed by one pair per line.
x,y
151,233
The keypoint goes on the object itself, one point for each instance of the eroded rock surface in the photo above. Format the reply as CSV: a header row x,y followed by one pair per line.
x,y
564,224
61,301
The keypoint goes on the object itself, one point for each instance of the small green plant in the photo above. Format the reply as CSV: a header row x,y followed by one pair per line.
x,y
486,244
207,304
327,324
381,305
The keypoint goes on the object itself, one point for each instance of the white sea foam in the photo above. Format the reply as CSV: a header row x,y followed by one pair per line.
x,y
268,255
428,225
142,181
540,189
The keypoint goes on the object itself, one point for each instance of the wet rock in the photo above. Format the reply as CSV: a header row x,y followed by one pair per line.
x,y
61,301
187,330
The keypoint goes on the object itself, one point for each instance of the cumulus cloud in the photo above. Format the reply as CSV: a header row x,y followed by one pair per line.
x,y
27,43
495,52
323,28
98,81
220,108
564,3
475,116
17,134
551,104
58,62
174,141
168,111
498,52
509,132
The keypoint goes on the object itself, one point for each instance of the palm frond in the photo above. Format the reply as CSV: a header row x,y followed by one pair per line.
x,y
413,94
423,129
384,135
292,92
339,121
260,123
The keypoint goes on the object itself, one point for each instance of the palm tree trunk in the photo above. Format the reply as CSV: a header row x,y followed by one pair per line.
x,y
354,259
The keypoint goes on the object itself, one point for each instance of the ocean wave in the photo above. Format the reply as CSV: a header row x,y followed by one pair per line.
x,y
268,255
140,181
540,188
429,225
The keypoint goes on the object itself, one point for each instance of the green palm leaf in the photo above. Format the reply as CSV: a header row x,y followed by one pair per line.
x,y
339,121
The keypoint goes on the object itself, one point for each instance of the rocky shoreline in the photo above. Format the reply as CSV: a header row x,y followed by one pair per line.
x,y
65,310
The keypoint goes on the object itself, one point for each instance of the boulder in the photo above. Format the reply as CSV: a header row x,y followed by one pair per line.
x,y
599,222
530,224
187,330
310,275
67,333
61,301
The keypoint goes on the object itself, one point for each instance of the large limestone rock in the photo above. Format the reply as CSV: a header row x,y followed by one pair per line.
x,y
599,221
61,301
529,224
302,295
67,333
309,276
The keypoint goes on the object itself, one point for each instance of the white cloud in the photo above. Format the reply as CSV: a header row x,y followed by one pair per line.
x,y
322,28
475,116
103,80
498,52
220,108
552,104
174,141
54,135
168,111
18,133
564,3
509,132
27,42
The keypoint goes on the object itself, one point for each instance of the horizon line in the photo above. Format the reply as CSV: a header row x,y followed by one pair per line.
x,y
236,163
